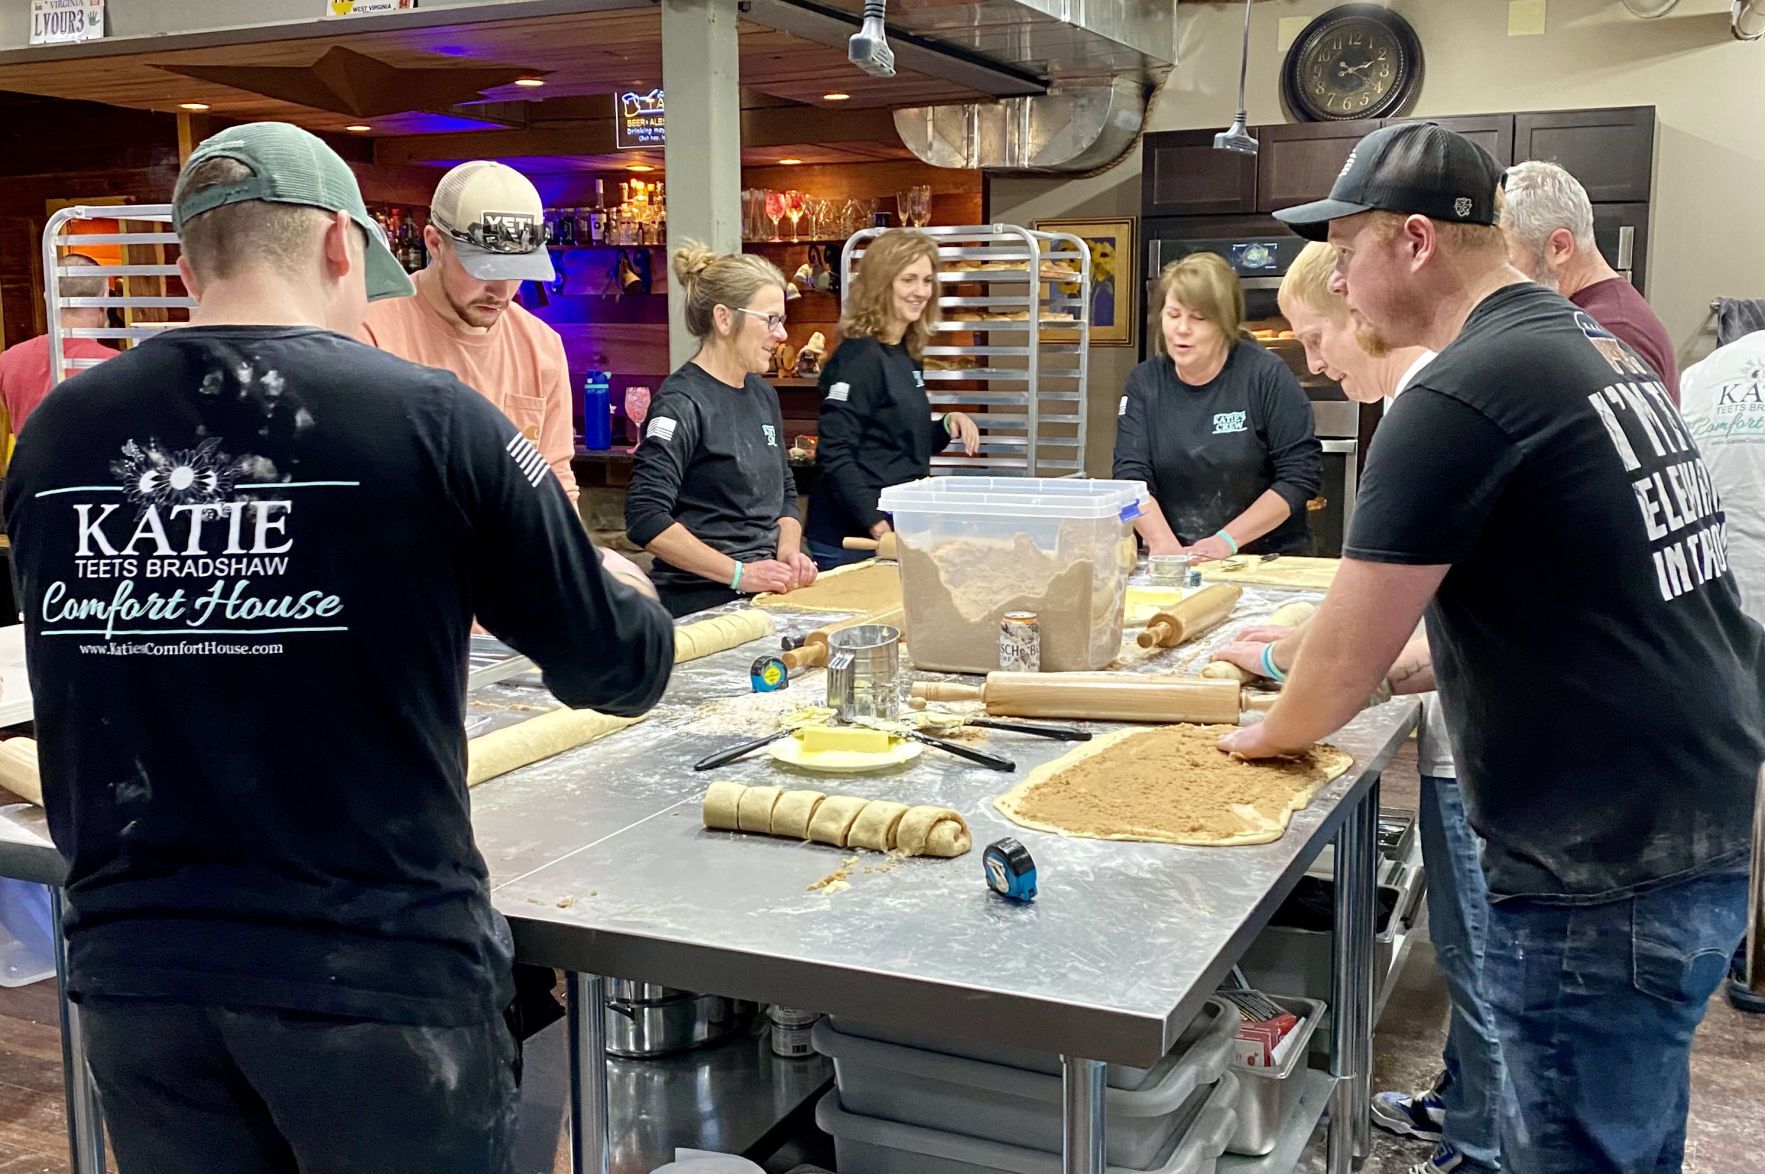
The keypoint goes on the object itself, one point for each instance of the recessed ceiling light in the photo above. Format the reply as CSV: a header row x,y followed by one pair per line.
x,y
358,127
836,97
192,105
640,167
790,162
529,81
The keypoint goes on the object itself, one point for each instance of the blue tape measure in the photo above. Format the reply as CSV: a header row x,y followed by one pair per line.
x,y
768,675
1010,870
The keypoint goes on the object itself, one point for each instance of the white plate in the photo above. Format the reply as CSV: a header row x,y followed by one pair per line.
x,y
843,762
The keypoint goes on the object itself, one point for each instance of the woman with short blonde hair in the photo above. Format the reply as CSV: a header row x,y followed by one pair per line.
x,y
1217,427
877,428
712,496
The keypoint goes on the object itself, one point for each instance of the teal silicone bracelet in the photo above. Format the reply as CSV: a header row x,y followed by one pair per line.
x,y
1229,540
1268,664
735,584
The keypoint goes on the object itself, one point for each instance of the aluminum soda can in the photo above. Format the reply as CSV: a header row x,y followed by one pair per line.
x,y
1020,643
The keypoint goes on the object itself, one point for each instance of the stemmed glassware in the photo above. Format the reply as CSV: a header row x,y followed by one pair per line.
x,y
794,205
922,205
775,210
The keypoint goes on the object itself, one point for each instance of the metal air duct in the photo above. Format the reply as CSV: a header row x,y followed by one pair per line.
x,y
1075,127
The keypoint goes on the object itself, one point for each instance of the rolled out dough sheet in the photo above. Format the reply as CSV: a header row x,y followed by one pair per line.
x,y
537,738
858,587
1289,570
1169,785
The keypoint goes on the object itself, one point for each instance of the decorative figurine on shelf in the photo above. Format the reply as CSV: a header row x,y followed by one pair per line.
x,y
809,358
783,361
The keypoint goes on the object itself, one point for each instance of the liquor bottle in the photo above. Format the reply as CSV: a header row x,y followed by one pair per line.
x,y
551,226
597,418
566,227
597,216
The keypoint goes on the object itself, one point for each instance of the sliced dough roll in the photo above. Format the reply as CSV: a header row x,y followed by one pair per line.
x,y
876,825
722,804
754,814
792,813
832,823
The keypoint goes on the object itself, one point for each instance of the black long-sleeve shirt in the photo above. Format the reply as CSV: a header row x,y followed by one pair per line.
x,y
1206,453
249,558
876,430
713,458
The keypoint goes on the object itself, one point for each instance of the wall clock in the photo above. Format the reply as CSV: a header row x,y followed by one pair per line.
x,y
1355,61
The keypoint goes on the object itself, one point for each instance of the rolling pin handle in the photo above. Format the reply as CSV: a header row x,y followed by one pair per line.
x,y
858,543
1154,635
805,656
941,691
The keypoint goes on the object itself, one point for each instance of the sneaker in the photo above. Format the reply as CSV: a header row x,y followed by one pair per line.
x,y
1419,1114
1444,1160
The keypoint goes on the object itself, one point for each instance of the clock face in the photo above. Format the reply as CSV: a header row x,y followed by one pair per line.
x,y
1349,64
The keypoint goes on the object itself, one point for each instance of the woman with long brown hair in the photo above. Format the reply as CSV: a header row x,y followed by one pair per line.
x,y
877,426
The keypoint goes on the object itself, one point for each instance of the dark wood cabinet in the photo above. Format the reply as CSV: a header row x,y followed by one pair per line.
x,y
1299,161
1622,232
1493,132
1183,175
1611,151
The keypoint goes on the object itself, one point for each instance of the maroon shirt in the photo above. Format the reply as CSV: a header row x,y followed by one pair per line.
x,y
1616,305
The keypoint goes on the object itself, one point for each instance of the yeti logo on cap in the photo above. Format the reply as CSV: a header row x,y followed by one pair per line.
x,y
1462,206
510,223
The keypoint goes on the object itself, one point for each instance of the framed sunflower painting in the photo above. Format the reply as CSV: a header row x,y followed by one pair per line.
x,y
1113,316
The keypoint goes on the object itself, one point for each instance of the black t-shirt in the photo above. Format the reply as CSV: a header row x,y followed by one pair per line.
x,y
1206,453
1600,680
248,559
876,430
713,458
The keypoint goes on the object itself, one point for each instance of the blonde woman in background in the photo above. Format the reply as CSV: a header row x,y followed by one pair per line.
x,y
1217,427
712,496
877,426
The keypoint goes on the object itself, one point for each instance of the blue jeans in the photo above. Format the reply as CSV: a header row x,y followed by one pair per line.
x,y
1595,1006
1458,916
828,557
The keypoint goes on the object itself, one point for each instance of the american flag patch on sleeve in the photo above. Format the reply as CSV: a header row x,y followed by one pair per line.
x,y
660,428
528,459
839,392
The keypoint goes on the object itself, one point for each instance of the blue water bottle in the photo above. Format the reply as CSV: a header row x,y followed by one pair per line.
x,y
597,421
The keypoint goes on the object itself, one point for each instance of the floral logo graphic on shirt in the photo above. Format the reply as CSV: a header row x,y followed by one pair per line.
x,y
154,476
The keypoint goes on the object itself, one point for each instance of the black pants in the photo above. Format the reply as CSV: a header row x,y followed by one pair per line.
x,y
684,599
191,1088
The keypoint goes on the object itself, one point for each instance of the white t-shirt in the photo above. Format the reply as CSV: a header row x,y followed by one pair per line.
x,y
1433,748
1723,402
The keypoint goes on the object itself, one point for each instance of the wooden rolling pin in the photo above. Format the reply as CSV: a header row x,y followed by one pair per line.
x,y
885,546
812,653
1096,696
1205,609
18,769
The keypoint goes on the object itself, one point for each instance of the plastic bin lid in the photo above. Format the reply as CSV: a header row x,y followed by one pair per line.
x,y
1044,497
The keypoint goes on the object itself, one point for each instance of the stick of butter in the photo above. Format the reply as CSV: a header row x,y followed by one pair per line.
x,y
863,741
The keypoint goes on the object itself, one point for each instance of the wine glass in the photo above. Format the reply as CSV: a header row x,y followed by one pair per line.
x,y
904,207
775,209
793,207
922,205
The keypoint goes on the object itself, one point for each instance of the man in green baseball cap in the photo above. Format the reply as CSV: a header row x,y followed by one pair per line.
x,y
250,551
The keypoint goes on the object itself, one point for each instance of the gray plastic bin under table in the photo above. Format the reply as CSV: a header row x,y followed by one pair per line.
x,y
1116,1075
992,1102
868,1145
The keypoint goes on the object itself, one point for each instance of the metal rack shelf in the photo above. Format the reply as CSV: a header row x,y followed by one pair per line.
x,y
144,274
1030,363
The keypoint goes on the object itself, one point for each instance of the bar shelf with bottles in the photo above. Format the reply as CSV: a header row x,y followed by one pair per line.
x,y
404,225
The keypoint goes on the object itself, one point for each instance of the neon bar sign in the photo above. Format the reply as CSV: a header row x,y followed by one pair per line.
x,y
640,122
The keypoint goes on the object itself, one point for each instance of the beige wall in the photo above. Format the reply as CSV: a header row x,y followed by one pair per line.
x,y
1707,236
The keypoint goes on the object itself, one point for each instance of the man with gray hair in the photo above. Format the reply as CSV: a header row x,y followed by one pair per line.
x,y
27,371
1548,222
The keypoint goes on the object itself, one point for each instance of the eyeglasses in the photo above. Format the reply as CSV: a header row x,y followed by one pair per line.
x,y
500,232
774,322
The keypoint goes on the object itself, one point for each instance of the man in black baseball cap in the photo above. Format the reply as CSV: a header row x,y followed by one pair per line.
x,y
1535,492
249,552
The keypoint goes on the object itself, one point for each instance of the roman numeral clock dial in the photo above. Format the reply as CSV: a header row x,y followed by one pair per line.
x,y
1354,61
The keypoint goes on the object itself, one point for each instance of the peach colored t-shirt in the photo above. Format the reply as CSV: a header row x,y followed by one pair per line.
x,y
518,365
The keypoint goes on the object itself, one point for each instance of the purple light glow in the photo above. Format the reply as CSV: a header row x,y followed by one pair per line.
x,y
423,123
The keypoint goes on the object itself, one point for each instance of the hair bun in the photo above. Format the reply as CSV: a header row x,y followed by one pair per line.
x,y
692,260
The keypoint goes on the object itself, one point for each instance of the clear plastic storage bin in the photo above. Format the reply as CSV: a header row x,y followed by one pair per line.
x,y
976,548
27,933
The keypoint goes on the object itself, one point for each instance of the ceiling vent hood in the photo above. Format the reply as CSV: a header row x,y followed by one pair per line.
x,y
1084,70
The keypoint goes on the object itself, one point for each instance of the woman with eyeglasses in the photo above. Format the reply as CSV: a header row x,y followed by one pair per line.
x,y
877,427
712,496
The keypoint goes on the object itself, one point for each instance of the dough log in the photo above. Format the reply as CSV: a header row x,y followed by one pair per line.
x,y
841,820
549,734
1288,615
18,769
720,634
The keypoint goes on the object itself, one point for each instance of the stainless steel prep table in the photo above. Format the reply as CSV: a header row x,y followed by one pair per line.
x,y
599,861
